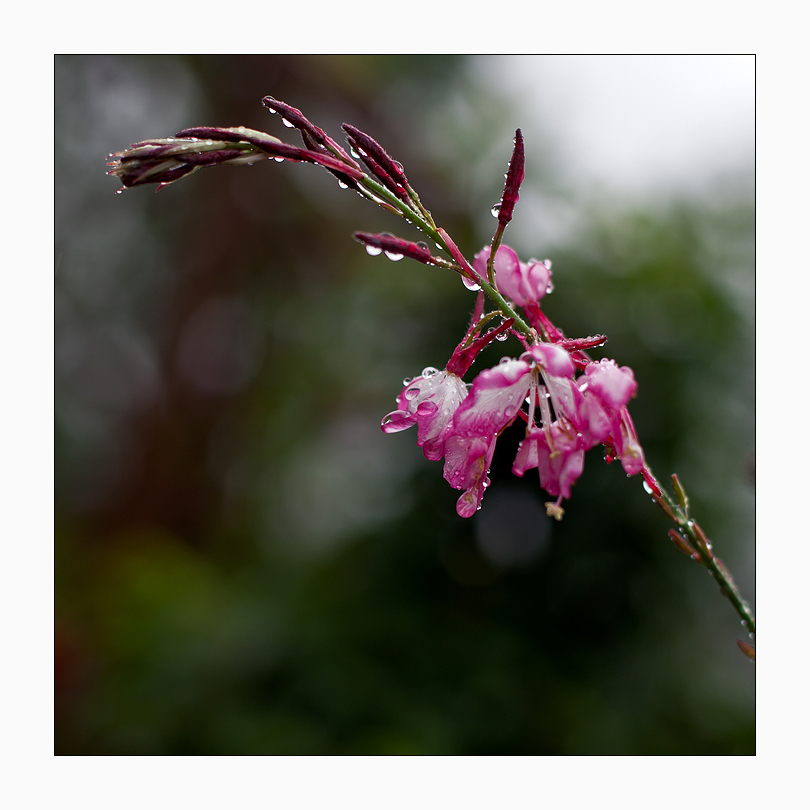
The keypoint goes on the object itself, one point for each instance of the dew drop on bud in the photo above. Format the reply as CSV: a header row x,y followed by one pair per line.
x,y
423,245
394,257
342,184
119,191
288,124
470,285
495,210
373,251
271,111
503,336
647,487
279,159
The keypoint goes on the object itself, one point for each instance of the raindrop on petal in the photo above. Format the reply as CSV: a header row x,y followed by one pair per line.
x,y
373,251
279,159
287,123
394,257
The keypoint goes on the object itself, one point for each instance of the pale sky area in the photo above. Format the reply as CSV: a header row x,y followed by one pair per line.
x,y
637,125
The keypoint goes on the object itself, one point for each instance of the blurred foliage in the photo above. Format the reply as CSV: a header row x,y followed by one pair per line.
x,y
245,564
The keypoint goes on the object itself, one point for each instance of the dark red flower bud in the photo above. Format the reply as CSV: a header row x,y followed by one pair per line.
x,y
380,163
393,245
296,118
514,177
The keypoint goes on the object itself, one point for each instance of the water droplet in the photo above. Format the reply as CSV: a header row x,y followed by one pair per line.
x,y
470,285
354,153
394,257
288,124
550,288
279,159
209,143
119,191
429,371
342,184
742,622
373,251
271,111
503,336
750,635
505,360
398,165
647,487
412,393
423,245
407,381
495,210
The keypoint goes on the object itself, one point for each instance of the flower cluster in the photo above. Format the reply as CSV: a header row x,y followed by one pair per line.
x,y
565,415
569,402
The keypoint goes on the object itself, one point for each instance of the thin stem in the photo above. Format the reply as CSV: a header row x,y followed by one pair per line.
x,y
698,543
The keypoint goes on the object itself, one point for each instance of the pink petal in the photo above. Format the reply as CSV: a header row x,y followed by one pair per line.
x,y
494,399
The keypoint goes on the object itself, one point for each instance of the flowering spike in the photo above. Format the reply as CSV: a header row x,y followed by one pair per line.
x,y
514,177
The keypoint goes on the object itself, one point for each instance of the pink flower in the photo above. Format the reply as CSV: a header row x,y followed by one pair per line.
x,y
613,387
495,398
428,401
466,466
497,393
518,282
559,456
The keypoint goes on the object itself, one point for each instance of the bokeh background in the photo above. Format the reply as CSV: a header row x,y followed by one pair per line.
x,y
246,564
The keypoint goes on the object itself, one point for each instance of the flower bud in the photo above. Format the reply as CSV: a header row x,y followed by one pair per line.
x,y
514,177
394,245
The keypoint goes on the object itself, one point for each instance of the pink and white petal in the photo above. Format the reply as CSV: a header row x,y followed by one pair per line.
x,y
494,399
553,359
613,385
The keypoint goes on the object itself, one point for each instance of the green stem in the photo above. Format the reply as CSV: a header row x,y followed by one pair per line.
x,y
701,547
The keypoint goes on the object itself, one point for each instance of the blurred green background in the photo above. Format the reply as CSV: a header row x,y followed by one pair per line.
x,y
246,564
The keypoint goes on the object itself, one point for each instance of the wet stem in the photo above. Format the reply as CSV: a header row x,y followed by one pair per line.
x,y
690,538
421,222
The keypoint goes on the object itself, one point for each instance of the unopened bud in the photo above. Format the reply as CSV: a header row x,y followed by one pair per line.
x,y
514,177
700,538
295,118
680,492
380,163
578,344
394,245
165,160
680,543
